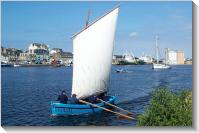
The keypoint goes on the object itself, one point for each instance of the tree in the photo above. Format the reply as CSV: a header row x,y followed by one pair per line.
x,y
168,109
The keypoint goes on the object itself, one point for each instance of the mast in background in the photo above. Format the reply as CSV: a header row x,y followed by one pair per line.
x,y
157,49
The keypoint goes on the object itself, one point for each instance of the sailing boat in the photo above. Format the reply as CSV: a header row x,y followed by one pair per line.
x,y
92,49
157,65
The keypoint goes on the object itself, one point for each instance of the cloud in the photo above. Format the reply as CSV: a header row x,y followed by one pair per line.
x,y
133,34
178,16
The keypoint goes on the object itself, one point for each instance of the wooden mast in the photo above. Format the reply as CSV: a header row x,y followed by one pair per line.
x,y
87,18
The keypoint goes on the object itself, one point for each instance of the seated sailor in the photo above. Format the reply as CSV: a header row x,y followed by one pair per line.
x,y
93,99
74,99
63,97
102,96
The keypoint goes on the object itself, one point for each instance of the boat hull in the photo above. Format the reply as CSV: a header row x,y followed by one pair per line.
x,y
160,66
58,108
17,65
6,65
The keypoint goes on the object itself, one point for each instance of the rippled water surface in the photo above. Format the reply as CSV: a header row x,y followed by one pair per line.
x,y
27,92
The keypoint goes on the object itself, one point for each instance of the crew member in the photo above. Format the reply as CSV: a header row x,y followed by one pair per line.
x,y
74,99
63,98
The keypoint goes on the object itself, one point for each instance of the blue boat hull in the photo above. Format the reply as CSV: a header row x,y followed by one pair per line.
x,y
58,108
6,65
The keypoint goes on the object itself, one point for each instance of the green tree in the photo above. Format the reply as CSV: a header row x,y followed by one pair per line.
x,y
168,109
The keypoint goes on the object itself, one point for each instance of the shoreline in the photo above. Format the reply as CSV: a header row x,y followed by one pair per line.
x,y
34,65
47,65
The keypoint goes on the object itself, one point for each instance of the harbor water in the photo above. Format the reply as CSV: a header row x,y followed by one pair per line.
x,y
26,93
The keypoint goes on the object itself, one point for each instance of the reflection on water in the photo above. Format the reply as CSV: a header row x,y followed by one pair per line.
x,y
27,92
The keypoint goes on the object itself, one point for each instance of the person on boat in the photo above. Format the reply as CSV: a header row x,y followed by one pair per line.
x,y
102,96
74,99
63,98
93,99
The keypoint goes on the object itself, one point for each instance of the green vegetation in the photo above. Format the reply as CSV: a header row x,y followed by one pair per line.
x,y
168,109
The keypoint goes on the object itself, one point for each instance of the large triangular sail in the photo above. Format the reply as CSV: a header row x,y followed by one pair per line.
x,y
92,49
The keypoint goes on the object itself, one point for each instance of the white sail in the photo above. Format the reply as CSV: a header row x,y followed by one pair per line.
x,y
92,49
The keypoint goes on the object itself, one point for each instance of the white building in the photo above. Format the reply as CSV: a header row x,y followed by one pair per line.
x,y
174,56
56,50
40,52
35,48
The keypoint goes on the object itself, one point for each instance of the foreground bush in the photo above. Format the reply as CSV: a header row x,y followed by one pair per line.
x,y
168,109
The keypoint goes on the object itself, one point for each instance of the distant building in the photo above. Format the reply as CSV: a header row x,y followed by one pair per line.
x,y
4,57
24,57
55,54
56,50
39,53
3,51
36,54
180,57
37,48
171,57
10,54
188,61
59,55
67,57
174,56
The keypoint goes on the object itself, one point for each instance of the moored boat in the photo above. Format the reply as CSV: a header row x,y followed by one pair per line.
x,y
6,64
157,65
160,66
16,65
121,71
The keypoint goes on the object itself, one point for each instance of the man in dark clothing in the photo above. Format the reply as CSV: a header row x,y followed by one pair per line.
x,y
74,99
63,98
92,99
102,96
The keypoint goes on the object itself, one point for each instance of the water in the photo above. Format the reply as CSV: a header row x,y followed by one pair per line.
x,y
27,92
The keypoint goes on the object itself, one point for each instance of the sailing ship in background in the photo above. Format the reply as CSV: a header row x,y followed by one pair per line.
x,y
92,48
158,65
129,58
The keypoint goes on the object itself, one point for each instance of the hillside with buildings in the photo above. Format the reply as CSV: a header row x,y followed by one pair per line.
x,y
35,54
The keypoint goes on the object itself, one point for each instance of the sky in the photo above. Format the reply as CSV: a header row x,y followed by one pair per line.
x,y
54,23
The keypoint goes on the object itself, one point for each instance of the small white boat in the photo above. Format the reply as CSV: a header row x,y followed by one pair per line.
x,y
157,65
68,65
16,65
121,71
160,66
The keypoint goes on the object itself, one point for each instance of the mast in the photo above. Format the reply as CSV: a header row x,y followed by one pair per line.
x,y
157,49
87,19
166,58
